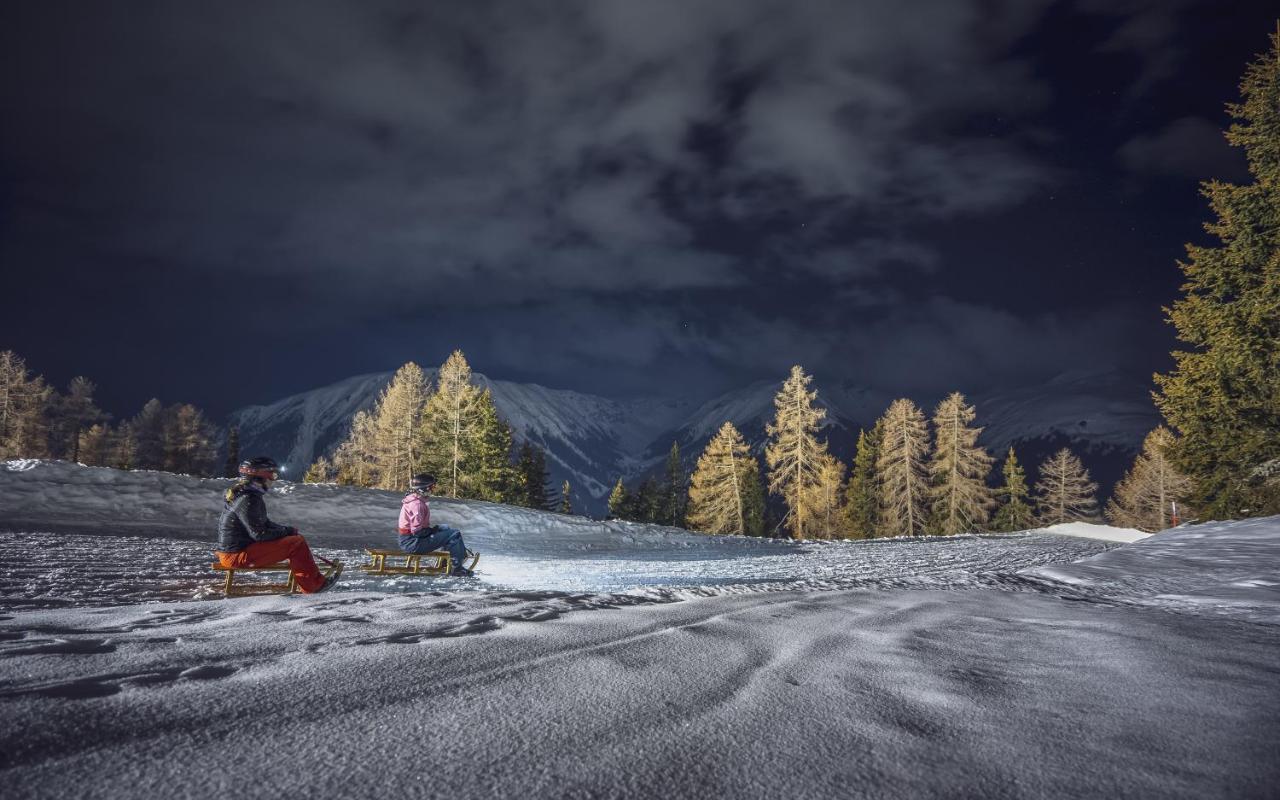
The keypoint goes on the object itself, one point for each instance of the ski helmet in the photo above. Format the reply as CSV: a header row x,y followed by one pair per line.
x,y
422,482
260,467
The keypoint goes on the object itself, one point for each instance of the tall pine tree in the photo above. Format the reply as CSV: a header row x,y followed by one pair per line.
x,y
901,467
674,491
794,454
533,479
489,473
861,495
1064,492
958,471
1223,395
1014,514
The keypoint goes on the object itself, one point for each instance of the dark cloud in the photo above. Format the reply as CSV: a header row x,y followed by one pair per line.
x,y
1190,147
578,191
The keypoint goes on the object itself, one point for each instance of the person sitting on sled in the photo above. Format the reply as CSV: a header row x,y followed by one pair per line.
x,y
246,538
418,535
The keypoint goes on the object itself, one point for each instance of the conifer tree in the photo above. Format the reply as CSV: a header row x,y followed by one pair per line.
x,y
674,491
489,474
354,459
24,410
124,453
397,427
794,455
1144,497
231,467
826,512
861,496
618,501
320,471
188,441
721,483
644,502
958,470
449,424
900,465
148,433
754,509
1014,514
74,412
533,479
1064,492
566,504
94,448
1223,395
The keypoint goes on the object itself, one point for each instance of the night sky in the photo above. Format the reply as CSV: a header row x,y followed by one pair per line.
x,y
224,203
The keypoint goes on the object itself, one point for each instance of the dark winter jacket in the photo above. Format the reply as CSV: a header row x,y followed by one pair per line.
x,y
244,519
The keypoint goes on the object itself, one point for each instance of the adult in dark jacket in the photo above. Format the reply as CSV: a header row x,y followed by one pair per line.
x,y
247,538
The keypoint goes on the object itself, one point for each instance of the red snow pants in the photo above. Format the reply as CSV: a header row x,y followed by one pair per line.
x,y
293,549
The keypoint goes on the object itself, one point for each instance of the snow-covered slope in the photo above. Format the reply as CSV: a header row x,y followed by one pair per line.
x,y
1033,665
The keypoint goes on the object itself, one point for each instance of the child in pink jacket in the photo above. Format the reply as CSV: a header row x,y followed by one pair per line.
x,y
418,535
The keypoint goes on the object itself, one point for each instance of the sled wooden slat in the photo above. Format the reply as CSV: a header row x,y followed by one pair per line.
x,y
232,589
437,562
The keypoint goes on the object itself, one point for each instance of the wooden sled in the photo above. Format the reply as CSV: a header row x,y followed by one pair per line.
x,y
437,562
232,589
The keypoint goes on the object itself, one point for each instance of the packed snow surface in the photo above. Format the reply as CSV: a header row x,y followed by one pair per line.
x,y
616,660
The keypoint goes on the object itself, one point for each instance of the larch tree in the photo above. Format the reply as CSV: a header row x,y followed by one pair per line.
x,y
24,410
1145,496
354,460
1014,513
1064,492
1223,395
95,445
619,500
720,483
862,495
450,422
958,470
320,471
566,503
794,455
397,427
826,510
902,470
188,441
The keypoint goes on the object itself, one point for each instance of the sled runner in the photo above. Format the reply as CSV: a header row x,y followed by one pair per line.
x,y
437,562
232,589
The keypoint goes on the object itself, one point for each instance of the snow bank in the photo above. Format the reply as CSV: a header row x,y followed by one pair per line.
x,y
1104,533
1230,568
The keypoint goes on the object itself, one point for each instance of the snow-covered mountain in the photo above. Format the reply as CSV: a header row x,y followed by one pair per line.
x,y
589,440
592,440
